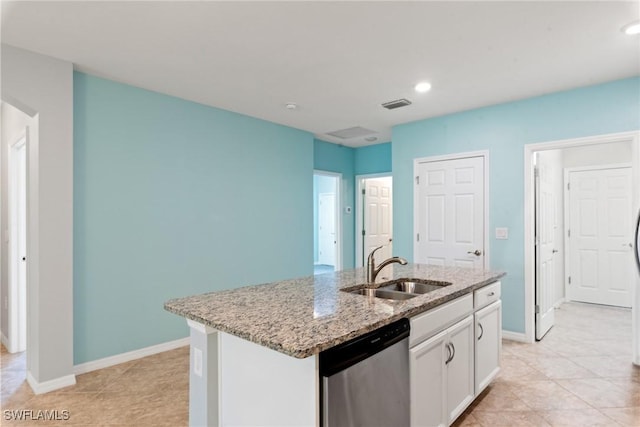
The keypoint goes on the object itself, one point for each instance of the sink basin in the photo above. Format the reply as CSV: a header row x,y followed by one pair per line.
x,y
415,287
383,293
401,289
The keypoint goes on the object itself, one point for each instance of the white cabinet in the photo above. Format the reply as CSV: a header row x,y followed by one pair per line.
x,y
454,354
441,368
488,322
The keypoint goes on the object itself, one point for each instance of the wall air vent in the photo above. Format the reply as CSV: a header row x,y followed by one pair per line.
x,y
391,105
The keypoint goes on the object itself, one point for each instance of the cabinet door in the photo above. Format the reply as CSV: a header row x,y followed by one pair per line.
x,y
459,368
488,344
427,369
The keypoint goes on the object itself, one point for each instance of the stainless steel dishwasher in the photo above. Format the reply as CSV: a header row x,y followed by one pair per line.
x,y
365,381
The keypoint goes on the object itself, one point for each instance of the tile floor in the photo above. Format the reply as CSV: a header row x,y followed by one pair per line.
x,y
147,392
579,375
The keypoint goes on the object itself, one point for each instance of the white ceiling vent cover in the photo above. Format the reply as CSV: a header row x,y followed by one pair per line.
x,y
391,105
353,132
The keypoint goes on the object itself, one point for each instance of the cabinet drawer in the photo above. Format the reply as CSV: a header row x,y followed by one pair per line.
x,y
486,295
437,319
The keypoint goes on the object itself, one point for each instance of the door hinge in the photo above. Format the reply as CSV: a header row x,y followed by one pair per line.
x,y
364,191
417,180
537,309
363,232
569,279
569,233
568,186
536,173
418,237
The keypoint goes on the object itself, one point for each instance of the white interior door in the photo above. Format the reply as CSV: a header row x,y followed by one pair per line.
x,y
327,228
599,232
449,212
547,253
378,217
18,247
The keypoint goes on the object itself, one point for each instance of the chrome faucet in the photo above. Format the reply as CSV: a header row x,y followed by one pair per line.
x,y
372,270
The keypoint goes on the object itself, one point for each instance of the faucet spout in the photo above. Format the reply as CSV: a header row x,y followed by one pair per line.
x,y
372,270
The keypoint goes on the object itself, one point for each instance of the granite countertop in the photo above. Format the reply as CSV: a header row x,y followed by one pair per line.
x,y
302,317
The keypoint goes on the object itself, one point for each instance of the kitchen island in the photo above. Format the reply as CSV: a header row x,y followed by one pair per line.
x,y
254,349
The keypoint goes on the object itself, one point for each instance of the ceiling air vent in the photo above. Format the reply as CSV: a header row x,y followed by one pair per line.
x,y
391,105
353,132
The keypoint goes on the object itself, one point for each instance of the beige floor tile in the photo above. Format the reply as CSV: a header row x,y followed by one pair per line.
x,y
578,418
547,395
624,416
609,367
560,368
601,393
510,419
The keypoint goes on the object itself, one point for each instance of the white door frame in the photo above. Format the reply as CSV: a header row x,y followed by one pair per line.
x,y
338,217
456,156
529,238
567,216
13,309
360,209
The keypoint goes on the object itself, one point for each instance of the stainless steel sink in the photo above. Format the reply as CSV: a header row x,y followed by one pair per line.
x,y
401,289
412,287
384,293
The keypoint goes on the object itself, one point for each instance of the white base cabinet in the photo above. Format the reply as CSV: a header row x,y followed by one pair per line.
x,y
454,354
488,323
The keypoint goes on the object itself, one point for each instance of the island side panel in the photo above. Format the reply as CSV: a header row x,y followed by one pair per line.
x,y
203,375
260,386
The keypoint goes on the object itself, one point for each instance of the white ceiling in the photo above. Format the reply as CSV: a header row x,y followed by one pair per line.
x,y
337,60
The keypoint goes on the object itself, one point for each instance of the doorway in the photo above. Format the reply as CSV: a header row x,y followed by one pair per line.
x,y
17,218
549,279
374,216
326,222
450,210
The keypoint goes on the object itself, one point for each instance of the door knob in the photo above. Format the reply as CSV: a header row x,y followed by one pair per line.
x,y
476,252
554,251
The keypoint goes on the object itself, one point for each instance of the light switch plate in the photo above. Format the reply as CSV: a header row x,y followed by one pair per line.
x,y
502,233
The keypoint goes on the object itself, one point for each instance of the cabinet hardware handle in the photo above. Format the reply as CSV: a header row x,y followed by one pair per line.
x,y
491,294
453,351
481,331
449,354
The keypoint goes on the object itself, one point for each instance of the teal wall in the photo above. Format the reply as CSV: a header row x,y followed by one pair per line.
x,y
340,159
173,198
503,130
350,162
373,159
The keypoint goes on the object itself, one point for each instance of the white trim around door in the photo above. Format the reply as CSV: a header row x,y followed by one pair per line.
x,y
338,214
529,226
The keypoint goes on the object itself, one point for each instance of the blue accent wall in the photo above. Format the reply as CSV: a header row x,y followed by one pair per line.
x,y
373,159
503,130
340,159
174,198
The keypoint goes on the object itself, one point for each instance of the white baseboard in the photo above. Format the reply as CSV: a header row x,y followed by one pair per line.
x,y
51,385
106,362
559,303
514,336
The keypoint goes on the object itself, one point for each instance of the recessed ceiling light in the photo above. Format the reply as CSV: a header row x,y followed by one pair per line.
x,y
291,106
632,29
371,138
423,87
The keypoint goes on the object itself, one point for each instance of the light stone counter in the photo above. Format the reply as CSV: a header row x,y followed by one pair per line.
x,y
302,317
